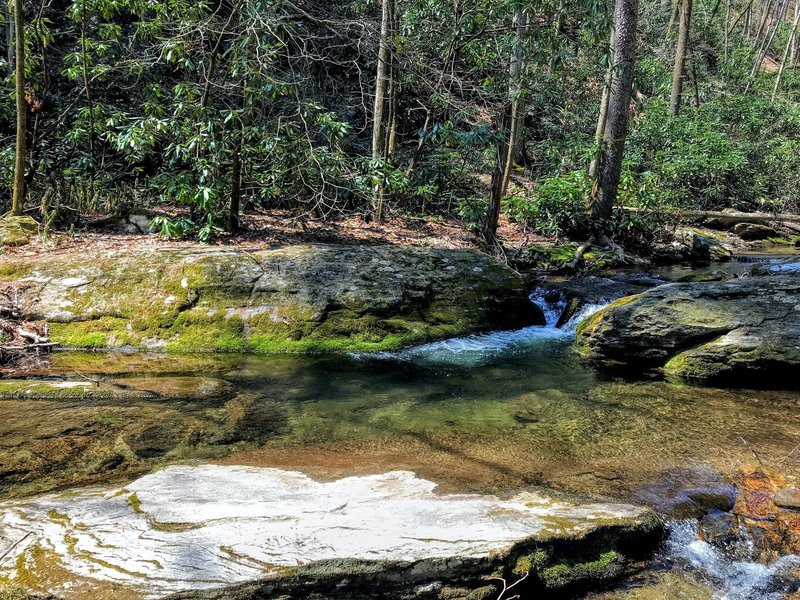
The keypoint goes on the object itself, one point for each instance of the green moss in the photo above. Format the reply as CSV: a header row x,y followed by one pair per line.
x,y
215,332
605,567
135,504
11,270
533,562
99,333
588,325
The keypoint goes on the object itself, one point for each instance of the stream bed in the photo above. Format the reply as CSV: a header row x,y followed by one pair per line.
x,y
490,414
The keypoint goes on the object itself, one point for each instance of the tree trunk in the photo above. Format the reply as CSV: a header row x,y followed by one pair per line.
x,y
504,161
516,139
19,160
380,135
680,57
603,116
609,168
785,59
795,44
10,40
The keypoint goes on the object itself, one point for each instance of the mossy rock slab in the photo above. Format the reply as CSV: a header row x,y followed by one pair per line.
x,y
743,332
296,299
245,533
17,231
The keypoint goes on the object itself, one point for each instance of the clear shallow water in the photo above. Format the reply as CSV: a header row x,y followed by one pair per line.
x,y
495,413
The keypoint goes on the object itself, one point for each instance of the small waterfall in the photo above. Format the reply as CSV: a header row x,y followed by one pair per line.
x,y
480,349
731,578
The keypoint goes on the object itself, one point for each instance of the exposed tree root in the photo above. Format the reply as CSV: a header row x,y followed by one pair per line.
x,y
604,242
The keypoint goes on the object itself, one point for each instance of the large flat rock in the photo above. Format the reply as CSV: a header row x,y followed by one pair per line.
x,y
209,527
740,332
296,299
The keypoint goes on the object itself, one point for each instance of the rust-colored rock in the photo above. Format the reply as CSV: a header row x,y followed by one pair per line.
x,y
774,530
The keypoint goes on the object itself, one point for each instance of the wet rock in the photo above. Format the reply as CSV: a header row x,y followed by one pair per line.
x,y
688,493
297,299
719,528
703,276
252,419
239,533
754,231
788,498
16,231
740,332
774,530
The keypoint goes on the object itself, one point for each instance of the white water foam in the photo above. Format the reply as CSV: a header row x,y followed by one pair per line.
x,y
476,350
731,579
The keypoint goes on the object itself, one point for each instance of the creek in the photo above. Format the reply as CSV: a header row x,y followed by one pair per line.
x,y
490,414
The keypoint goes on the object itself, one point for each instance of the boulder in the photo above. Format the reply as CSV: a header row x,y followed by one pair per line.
x,y
296,299
740,332
244,533
17,231
702,246
754,231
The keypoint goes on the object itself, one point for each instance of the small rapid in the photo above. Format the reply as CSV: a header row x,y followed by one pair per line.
x,y
730,575
479,349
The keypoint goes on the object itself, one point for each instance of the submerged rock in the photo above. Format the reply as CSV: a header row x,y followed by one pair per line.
x,y
207,528
297,299
741,332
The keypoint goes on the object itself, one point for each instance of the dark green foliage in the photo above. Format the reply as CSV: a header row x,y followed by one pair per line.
x,y
184,106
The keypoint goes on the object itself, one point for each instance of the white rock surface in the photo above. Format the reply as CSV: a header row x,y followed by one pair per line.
x,y
198,527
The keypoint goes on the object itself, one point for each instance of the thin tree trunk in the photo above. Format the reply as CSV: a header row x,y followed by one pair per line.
x,y
795,43
603,116
785,58
236,188
515,135
609,168
744,12
762,52
695,83
504,159
726,41
382,82
680,57
19,67
10,40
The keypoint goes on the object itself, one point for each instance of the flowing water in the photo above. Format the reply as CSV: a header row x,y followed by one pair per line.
x,y
495,413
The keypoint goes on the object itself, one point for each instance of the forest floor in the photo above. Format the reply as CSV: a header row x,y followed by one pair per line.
x,y
278,229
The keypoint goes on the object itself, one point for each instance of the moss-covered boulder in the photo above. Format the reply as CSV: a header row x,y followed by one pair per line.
x,y
16,231
703,245
754,231
740,332
299,299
